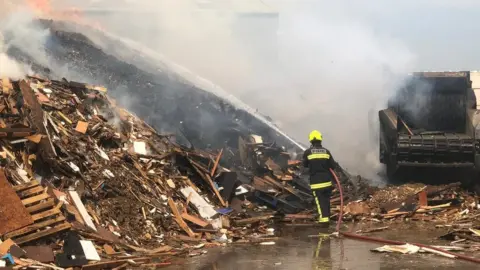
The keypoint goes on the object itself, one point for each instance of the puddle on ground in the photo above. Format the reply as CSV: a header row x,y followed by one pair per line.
x,y
299,250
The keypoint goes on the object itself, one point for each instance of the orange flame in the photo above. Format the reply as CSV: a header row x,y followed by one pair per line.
x,y
43,8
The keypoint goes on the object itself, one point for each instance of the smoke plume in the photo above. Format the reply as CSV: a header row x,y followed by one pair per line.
x,y
9,68
306,64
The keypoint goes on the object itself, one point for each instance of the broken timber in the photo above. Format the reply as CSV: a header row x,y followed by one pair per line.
x,y
47,216
13,213
38,118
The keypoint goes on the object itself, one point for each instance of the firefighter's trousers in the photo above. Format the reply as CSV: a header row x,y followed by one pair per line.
x,y
322,193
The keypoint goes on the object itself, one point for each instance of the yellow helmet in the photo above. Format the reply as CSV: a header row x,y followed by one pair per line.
x,y
315,135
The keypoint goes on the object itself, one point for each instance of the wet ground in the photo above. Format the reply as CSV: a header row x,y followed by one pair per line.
x,y
300,250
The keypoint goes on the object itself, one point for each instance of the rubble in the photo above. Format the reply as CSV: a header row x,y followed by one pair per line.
x,y
94,186
448,208
417,202
87,183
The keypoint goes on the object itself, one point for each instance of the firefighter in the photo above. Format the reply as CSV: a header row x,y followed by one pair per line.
x,y
319,161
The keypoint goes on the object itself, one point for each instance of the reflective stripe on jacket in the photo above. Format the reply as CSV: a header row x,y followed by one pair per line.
x,y
319,161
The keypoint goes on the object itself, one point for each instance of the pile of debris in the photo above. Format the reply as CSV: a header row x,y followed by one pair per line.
x,y
445,206
86,183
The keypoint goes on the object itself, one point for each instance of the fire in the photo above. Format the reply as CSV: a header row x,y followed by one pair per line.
x,y
46,9
49,9
42,6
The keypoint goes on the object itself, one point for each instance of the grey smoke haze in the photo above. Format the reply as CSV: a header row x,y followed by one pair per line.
x,y
9,67
307,64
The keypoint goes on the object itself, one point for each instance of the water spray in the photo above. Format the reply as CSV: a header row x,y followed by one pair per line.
x,y
199,82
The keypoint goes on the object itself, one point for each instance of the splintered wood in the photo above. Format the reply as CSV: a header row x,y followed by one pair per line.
x,y
209,180
13,214
47,217
179,219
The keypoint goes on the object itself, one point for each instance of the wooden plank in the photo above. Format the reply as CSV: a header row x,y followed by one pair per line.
x,y
422,198
46,149
199,166
209,180
29,192
200,222
82,210
41,206
45,214
34,227
13,215
25,186
179,219
41,234
216,163
279,185
123,266
35,199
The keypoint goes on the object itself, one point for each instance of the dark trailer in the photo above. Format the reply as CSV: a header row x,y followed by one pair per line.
x,y
431,122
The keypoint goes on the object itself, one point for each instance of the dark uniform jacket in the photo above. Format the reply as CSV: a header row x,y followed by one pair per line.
x,y
319,161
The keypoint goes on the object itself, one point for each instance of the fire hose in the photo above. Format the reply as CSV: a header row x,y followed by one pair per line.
x,y
390,242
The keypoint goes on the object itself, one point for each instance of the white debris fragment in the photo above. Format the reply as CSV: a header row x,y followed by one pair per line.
x,y
240,190
140,148
404,249
23,174
89,250
222,239
108,173
101,153
199,246
74,167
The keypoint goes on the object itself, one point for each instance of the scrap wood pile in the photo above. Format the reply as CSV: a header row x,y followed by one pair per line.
x,y
86,183
281,183
438,209
445,206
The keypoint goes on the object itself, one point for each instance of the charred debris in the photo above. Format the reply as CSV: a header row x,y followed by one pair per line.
x,y
82,176
157,95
